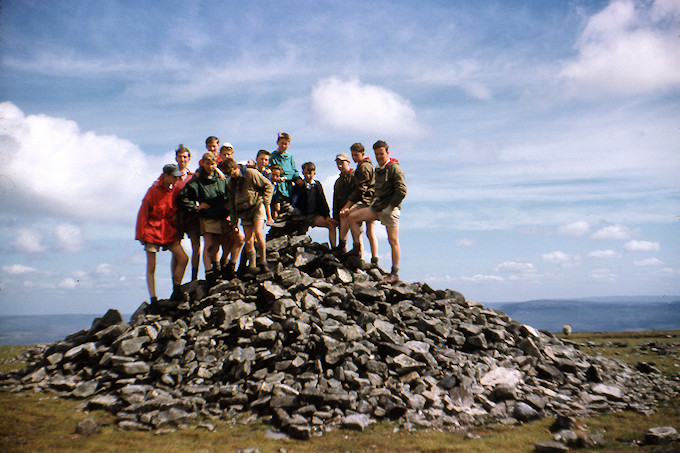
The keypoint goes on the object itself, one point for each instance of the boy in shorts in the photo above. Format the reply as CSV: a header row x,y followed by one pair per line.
x,y
187,223
251,195
363,187
310,201
390,190
206,194
341,192
276,179
157,229
285,160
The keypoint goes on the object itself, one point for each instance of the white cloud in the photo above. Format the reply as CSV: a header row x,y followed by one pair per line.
x,y
561,258
641,246
28,241
69,238
574,229
81,174
352,106
649,262
515,267
629,47
603,275
18,269
604,254
612,232
464,242
479,278
68,283
104,270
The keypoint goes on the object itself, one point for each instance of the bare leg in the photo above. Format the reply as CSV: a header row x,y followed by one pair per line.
x,y
259,237
150,271
372,239
179,264
195,254
393,239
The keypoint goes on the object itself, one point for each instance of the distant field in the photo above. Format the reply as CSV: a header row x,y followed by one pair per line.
x,y
44,422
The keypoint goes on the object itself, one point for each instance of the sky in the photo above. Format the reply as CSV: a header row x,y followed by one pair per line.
x,y
540,140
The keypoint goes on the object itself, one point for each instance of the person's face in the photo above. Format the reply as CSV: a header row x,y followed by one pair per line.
x,y
227,153
235,173
276,176
262,161
283,144
309,175
213,147
208,166
357,156
343,166
182,160
381,155
169,180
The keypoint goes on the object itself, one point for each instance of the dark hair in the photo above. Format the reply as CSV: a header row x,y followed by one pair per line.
x,y
308,166
357,148
263,151
211,139
228,165
381,144
226,147
181,149
283,135
276,167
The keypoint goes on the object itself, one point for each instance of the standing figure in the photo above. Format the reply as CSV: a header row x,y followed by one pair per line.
x,y
157,229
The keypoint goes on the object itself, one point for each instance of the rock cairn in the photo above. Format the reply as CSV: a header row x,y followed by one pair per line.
x,y
319,343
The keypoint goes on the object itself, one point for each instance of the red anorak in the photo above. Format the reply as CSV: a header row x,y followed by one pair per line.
x,y
157,217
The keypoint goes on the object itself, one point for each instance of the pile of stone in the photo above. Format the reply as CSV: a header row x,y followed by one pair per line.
x,y
320,343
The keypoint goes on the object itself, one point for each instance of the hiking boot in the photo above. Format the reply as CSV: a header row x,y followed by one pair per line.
x,y
210,278
263,267
391,278
229,271
374,261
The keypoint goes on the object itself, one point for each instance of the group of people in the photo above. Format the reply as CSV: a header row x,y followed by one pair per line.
x,y
210,201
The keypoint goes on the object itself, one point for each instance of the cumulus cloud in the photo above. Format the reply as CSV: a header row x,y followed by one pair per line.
x,y
480,278
602,275
69,238
18,269
649,262
352,106
641,246
612,232
629,47
68,283
515,267
561,258
574,229
604,254
466,242
82,174
28,241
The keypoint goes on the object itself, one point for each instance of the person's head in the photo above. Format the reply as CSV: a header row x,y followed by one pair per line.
x,y
283,141
357,151
212,144
182,157
342,161
309,170
227,151
230,168
277,173
209,162
170,174
382,152
262,159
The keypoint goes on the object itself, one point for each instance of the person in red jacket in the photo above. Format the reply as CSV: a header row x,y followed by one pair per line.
x,y
157,229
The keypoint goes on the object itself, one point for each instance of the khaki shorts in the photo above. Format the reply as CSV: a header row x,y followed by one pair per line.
x,y
258,214
213,226
189,225
310,219
388,218
155,248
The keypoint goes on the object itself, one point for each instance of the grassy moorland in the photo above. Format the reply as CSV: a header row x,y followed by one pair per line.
x,y
44,422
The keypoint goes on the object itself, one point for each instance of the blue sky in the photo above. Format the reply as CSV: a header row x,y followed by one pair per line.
x,y
540,140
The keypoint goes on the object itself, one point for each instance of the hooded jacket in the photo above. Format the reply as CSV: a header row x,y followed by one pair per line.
x,y
390,186
341,192
156,219
248,192
203,188
363,183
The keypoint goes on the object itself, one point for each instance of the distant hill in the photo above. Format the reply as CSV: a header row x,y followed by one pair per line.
x,y
597,314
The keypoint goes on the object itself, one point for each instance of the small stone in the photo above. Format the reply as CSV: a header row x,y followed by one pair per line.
x,y
551,447
661,435
87,427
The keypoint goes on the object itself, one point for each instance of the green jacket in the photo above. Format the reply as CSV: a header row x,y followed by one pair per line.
x,y
363,183
341,192
210,189
390,186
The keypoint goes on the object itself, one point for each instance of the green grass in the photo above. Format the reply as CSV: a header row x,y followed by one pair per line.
x,y
44,422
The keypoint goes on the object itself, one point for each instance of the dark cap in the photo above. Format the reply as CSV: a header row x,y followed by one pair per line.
x,y
343,156
172,170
